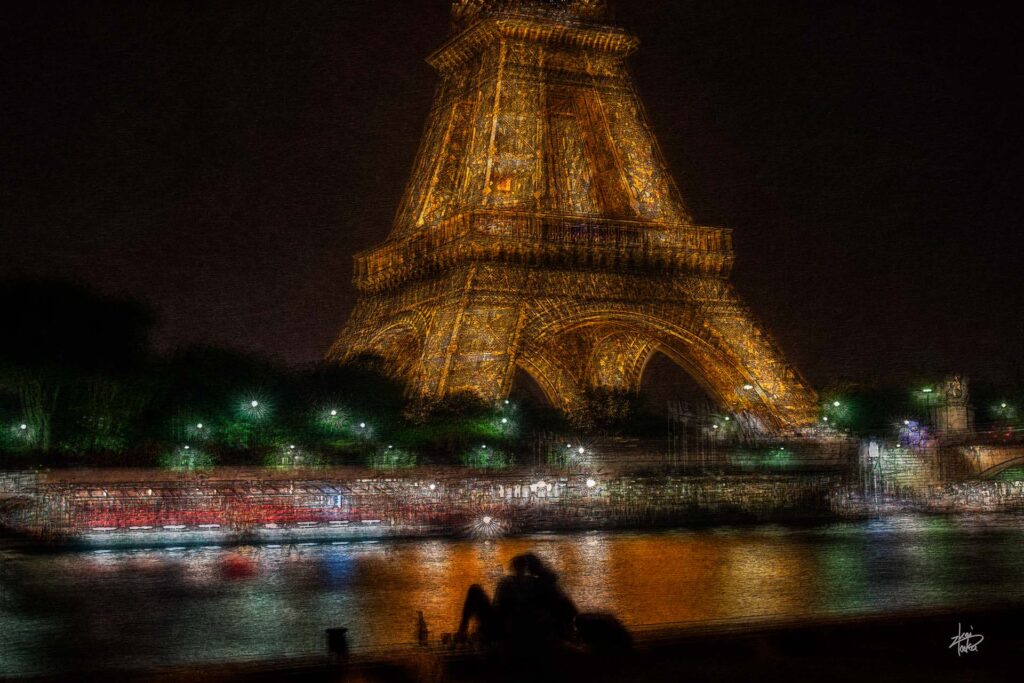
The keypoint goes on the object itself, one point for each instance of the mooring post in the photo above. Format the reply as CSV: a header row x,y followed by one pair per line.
x,y
337,644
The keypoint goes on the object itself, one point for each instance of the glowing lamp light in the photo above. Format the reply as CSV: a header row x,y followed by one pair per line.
x,y
581,450
748,387
254,404
487,519
825,419
484,447
291,447
727,418
835,403
23,427
199,425
591,483
362,425
1001,405
432,487
714,426
187,447
504,420
906,422
926,390
334,413
506,401
390,447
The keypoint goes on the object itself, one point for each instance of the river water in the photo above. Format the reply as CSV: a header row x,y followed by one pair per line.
x,y
140,608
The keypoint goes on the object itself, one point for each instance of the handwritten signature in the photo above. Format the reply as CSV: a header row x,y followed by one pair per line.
x,y
965,641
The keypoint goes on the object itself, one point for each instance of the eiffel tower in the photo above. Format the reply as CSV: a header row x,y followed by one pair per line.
x,y
541,231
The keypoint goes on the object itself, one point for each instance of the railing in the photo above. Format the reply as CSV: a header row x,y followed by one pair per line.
x,y
590,230
511,236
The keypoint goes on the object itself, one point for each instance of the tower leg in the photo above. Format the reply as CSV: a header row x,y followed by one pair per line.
x,y
473,338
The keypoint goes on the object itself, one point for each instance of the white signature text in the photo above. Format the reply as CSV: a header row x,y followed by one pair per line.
x,y
965,641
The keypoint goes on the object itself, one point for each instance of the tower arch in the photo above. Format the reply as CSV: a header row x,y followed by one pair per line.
x,y
618,342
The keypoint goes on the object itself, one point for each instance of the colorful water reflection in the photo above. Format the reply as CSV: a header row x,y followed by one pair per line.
x,y
72,610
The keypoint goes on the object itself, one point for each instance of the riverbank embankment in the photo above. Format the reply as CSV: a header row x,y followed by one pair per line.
x,y
907,646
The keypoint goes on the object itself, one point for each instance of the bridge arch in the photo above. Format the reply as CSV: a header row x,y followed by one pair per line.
x,y
990,466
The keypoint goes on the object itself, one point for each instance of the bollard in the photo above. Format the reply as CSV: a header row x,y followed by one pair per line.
x,y
422,632
337,644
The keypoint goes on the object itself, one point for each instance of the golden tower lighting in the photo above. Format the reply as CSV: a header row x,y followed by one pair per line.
x,y
541,230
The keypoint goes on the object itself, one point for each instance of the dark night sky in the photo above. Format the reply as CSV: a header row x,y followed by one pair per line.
x,y
224,160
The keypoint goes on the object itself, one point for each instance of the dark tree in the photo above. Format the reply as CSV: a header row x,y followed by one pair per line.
x,y
65,344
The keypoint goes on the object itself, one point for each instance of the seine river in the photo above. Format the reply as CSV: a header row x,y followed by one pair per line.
x,y
139,608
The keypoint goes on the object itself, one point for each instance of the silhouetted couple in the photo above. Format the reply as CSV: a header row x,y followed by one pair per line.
x,y
529,607
531,612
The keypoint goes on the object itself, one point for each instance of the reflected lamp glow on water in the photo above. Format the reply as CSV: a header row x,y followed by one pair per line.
x,y
141,608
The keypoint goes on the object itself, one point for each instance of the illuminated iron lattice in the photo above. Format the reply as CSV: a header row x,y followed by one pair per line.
x,y
541,230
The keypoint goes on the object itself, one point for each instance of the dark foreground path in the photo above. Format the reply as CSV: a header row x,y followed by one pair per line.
x,y
905,647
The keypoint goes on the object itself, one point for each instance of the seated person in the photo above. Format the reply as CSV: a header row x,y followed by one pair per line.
x,y
529,607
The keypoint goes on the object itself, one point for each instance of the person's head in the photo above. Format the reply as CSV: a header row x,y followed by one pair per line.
x,y
520,565
530,564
